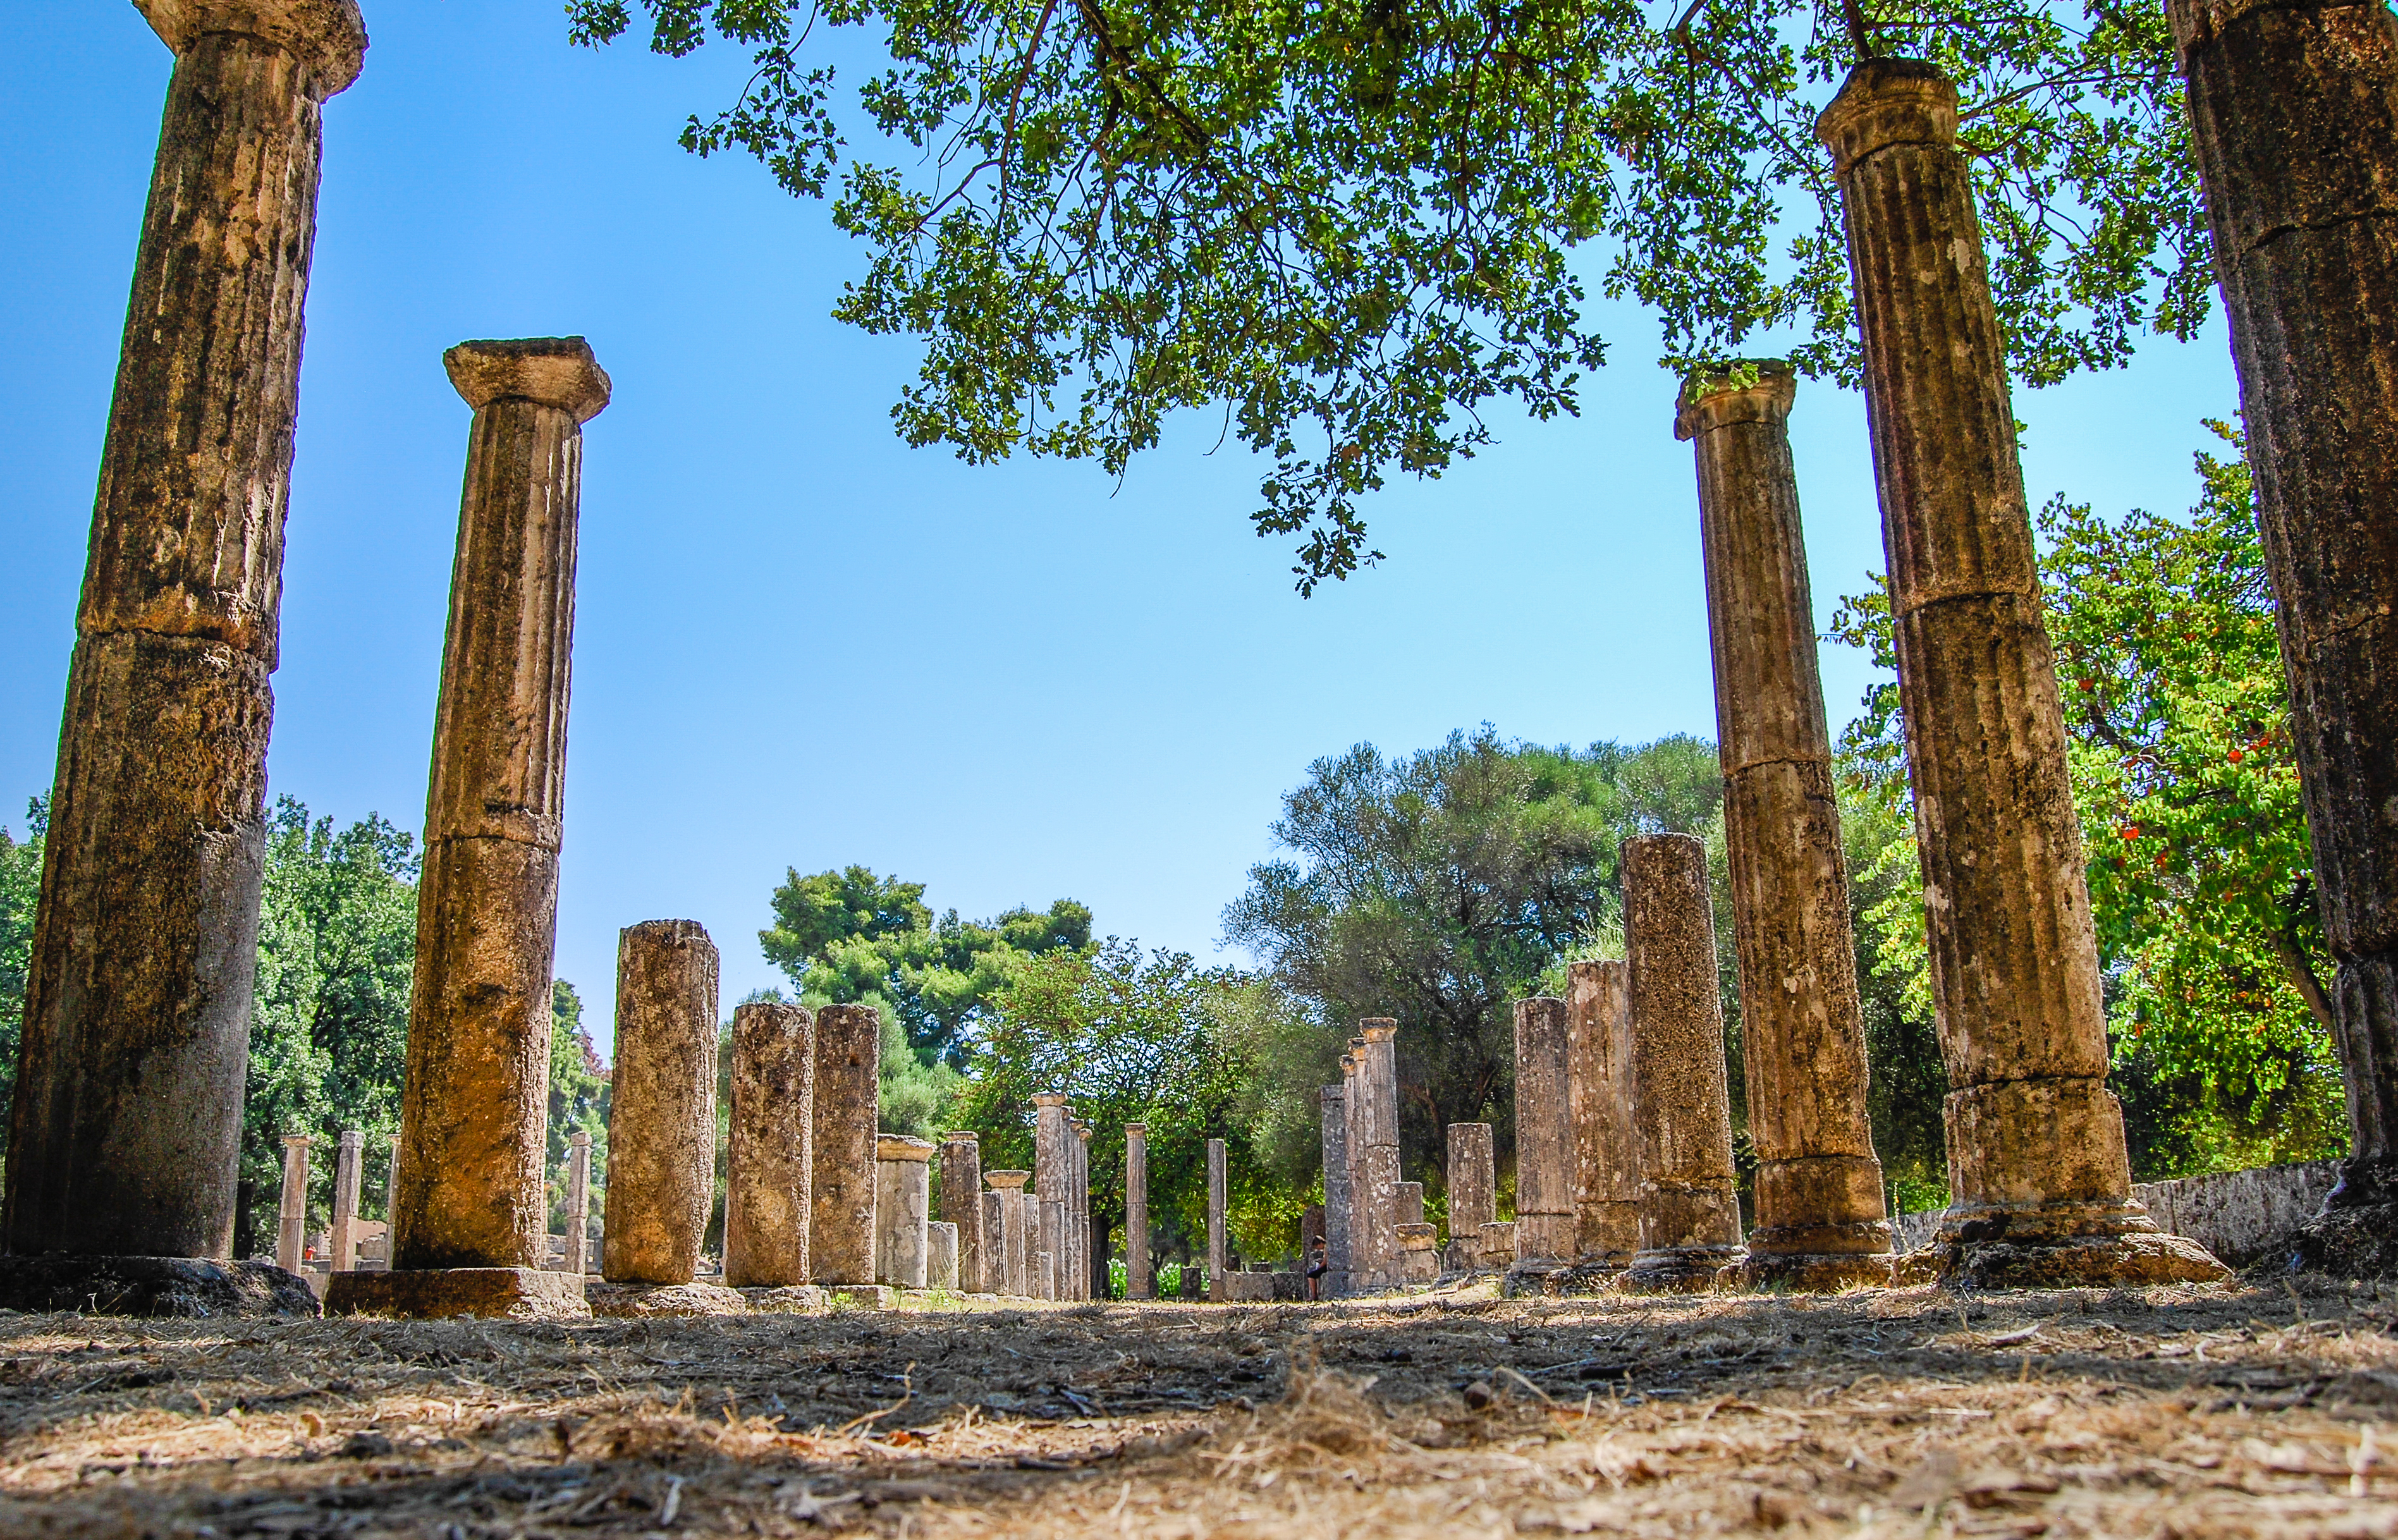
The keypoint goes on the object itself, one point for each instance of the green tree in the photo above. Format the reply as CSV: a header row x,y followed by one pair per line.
x,y
578,1097
20,891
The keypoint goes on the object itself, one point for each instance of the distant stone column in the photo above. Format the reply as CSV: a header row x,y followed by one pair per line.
x,y
1411,1203
1012,1249
1053,1178
1044,1267
1030,1203
661,1105
1141,1279
962,1204
770,1154
1215,1196
1092,1264
1689,1217
1598,1077
291,1230
1544,1142
994,1240
1379,1070
1333,1133
578,1202
849,1078
903,1207
941,1254
126,1128
1473,1190
344,1237
2037,1160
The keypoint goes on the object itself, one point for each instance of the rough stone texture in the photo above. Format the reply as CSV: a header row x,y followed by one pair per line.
x,y
1598,1088
1473,1190
1353,1079
1689,1219
1411,1209
647,1301
849,1068
492,1293
769,1154
291,1210
1498,1244
1819,1207
2244,1218
862,1296
1140,1273
1090,1259
1045,1268
126,1120
1216,1238
903,1208
799,1299
578,1202
1332,1103
198,1287
1009,1188
2015,962
344,1237
2294,117
1376,1201
1419,1254
662,1108
1544,1142
941,1255
961,1205
472,1182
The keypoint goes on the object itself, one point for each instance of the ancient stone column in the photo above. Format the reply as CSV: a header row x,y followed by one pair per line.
x,y
1085,1258
290,1230
903,1207
662,1106
1819,1207
1598,1083
1053,1179
1499,1245
849,1078
1012,1249
1379,1071
1473,1189
1028,1202
1544,1141
1140,1278
578,1202
1418,1260
994,1241
941,1254
1044,1269
1215,1197
345,1245
2293,117
2037,1161
962,1204
1333,1131
769,1154
126,1128
1690,1218
1411,1203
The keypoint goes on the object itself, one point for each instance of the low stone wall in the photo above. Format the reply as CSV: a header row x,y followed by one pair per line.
x,y
2243,1217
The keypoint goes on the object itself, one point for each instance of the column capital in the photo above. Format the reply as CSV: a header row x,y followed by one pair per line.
x,y
580,1139
902,1147
1888,102
297,1140
963,1136
329,36
353,1138
1379,1029
1135,1131
1007,1182
554,372
1739,390
1051,1098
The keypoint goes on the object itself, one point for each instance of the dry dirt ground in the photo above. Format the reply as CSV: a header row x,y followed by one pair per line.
x,y
2243,1410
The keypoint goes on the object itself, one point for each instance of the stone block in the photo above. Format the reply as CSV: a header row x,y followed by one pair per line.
x,y
491,1293
191,1287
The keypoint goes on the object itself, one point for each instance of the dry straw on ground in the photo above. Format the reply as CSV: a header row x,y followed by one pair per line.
x,y
2239,1410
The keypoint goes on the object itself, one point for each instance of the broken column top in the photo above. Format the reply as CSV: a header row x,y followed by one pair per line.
x,y
299,1139
1137,1127
553,371
1007,1182
966,1135
1888,102
1745,390
1378,1029
329,36
902,1147
580,1136
1051,1098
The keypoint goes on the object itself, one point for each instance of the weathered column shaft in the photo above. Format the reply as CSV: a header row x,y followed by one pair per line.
x,y
1473,1175
662,1104
344,1236
1379,1068
961,1204
1141,1279
848,1081
1333,1103
994,1232
1015,1247
126,1128
578,1203
769,1154
1029,1203
1598,1083
941,1255
1053,1177
1087,1260
1053,1249
291,1213
1411,1209
1216,1237
474,1119
903,1210
2293,117
1544,1142
1818,1184
1689,1217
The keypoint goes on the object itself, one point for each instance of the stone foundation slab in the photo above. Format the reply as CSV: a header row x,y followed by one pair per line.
x,y
188,1287
643,1300
491,1293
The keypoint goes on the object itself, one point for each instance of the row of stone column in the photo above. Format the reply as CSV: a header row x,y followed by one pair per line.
x,y
1364,1213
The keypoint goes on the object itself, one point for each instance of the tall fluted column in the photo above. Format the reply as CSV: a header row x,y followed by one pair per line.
x,y
1473,1192
1141,1279
1014,1249
1689,1217
1217,1242
770,1157
344,1237
2037,1162
2293,117
1379,1071
661,1105
291,1213
1598,1077
126,1123
578,1203
1544,1141
961,1204
1821,1222
848,1079
1338,1216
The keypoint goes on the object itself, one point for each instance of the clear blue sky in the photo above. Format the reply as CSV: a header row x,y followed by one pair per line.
x,y
797,642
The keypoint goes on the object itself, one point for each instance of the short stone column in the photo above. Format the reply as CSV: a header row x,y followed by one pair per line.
x,y
1332,1104
1411,1209
1379,1070
941,1254
961,1204
849,1079
994,1257
291,1214
1473,1191
126,1128
1544,1142
578,1203
2037,1161
1598,1076
1820,1216
2294,119
770,1154
1689,1217
1141,1279
1013,1248
662,1104
1419,1259
343,1239
903,1208
1216,1238
1499,1245
1045,1268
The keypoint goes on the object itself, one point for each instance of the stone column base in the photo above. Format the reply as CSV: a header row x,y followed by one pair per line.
x,y
191,1287
1681,1270
1809,1272
2066,1246
431,1294
1587,1276
799,1299
646,1300
862,1296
